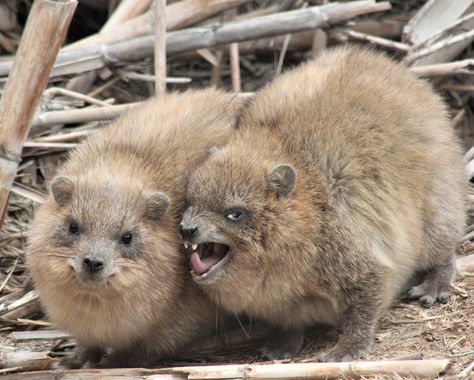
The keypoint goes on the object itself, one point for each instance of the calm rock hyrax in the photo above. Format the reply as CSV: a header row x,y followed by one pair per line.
x,y
104,253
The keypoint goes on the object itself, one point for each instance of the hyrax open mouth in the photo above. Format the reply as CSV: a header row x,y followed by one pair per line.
x,y
207,258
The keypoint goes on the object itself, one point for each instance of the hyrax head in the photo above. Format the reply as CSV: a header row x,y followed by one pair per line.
x,y
97,233
237,207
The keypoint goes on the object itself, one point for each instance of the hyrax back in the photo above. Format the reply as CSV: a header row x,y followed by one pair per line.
x,y
343,179
104,252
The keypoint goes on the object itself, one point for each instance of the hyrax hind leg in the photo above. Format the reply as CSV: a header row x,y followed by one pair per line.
x,y
443,228
435,286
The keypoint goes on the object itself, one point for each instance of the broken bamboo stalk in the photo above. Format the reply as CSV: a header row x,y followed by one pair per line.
x,y
412,368
44,33
126,10
160,47
433,16
437,32
26,360
45,334
405,368
180,14
207,37
29,297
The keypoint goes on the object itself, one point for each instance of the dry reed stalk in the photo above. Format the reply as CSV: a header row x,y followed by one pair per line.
x,y
28,361
46,334
408,368
80,115
433,16
180,14
44,33
126,10
234,60
160,47
394,45
53,91
29,297
131,75
443,69
413,368
207,37
235,67
432,28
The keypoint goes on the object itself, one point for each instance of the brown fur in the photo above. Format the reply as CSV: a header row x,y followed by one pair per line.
x,y
379,195
148,306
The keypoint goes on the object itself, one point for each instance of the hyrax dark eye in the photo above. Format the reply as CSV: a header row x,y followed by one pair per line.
x,y
234,216
126,238
73,228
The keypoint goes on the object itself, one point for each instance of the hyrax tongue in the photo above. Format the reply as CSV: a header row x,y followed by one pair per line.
x,y
201,266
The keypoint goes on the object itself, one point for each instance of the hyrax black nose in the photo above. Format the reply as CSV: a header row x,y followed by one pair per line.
x,y
93,265
187,231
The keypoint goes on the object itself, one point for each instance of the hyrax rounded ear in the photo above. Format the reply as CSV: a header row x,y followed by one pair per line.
x,y
62,188
156,205
213,150
282,179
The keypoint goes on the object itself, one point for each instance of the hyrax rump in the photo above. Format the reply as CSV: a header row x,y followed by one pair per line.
x,y
104,253
343,179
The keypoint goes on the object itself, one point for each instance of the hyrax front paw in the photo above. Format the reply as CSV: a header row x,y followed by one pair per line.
x,y
341,353
283,345
81,356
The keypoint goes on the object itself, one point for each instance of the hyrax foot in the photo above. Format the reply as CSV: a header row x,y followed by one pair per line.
x,y
435,287
283,345
343,353
82,356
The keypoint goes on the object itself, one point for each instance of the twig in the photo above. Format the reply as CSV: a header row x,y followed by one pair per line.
x,y
234,64
457,87
9,274
443,69
151,78
44,33
53,91
160,47
281,58
426,319
394,45
81,115
467,371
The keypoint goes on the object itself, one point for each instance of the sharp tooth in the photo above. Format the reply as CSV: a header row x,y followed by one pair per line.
x,y
194,247
186,245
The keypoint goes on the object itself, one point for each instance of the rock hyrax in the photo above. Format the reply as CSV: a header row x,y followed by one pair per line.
x,y
344,178
104,253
